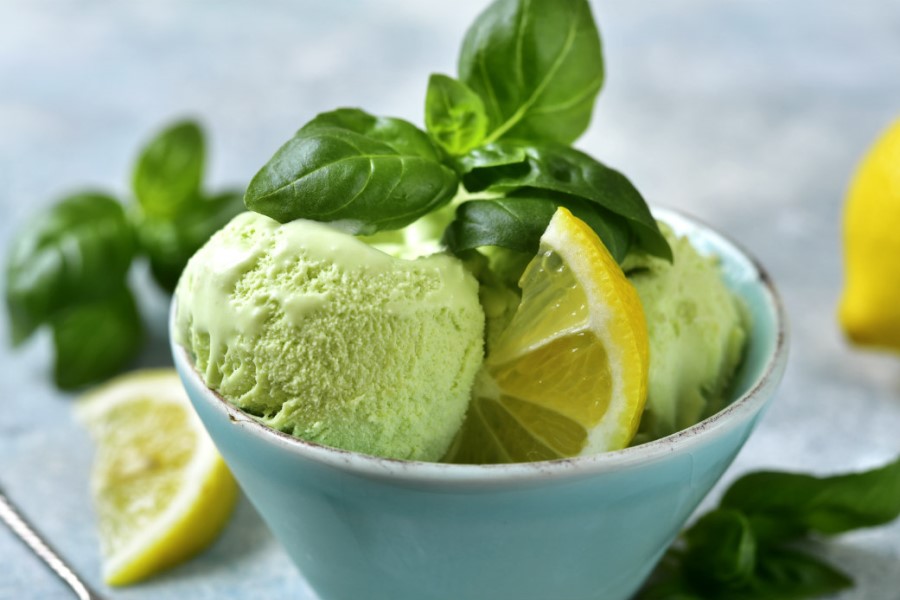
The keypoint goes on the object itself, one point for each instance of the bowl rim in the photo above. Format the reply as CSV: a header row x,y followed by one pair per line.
x,y
492,475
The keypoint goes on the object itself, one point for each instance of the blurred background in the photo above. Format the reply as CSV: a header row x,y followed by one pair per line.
x,y
750,114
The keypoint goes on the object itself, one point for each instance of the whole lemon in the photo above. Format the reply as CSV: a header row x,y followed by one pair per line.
x,y
869,309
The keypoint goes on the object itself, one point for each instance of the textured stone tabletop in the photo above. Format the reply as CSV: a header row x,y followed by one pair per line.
x,y
750,114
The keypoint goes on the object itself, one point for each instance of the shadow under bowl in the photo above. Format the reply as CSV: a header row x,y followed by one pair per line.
x,y
591,527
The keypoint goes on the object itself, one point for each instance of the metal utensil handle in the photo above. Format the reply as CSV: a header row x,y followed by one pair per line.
x,y
23,529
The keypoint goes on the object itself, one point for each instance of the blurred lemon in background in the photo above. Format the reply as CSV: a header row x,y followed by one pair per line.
x,y
869,309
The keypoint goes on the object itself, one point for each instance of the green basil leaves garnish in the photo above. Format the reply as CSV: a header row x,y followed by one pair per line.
x,y
529,73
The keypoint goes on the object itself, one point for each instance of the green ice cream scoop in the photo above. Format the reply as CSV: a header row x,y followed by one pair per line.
x,y
322,336
697,333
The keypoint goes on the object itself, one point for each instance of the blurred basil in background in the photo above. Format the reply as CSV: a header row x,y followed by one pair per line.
x,y
68,268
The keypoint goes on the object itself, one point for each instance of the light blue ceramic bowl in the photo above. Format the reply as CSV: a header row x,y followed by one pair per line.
x,y
361,527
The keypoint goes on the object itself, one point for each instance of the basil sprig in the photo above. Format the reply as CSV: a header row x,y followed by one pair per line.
x,y
529,75
750,548
68,269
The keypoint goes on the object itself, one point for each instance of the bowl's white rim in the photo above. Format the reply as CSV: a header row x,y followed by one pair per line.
x,y
497,475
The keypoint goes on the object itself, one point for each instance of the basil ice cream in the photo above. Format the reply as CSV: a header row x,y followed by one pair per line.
x,y
319,335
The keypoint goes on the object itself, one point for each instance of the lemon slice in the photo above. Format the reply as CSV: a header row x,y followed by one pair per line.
x,y
161,490
568,376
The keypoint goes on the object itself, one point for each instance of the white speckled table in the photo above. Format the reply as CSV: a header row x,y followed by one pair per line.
x,y
750,114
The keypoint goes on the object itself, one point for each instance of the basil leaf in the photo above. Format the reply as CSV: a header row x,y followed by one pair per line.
x,y
169,169
784,574
95,340
783,506
721,549
537,65
367,174
518,222
169,244
77,251
563,170
454,115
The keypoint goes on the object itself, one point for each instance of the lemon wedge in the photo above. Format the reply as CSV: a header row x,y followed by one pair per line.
x,y
162,492
568,376
869,310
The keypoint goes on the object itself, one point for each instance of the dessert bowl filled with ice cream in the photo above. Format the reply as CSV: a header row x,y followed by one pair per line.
x,y
333,377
